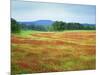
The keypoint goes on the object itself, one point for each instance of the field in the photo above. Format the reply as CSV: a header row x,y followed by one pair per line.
x,y
36,52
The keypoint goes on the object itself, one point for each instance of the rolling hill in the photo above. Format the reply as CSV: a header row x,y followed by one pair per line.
x,y
38,22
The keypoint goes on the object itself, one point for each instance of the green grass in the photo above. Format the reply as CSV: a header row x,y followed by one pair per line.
x,y
26,32
79,30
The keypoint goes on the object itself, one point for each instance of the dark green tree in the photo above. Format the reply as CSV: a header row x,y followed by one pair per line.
x,y
58,25
15,26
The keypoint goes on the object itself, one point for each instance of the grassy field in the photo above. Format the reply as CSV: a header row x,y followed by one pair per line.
x,y
34,51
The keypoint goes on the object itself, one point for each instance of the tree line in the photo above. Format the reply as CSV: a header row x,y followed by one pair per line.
x,y
60,26
56,26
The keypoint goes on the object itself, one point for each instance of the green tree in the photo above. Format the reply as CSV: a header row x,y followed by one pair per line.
x,y
58,26
15,26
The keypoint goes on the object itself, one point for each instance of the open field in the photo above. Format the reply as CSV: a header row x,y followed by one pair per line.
x,y
33,52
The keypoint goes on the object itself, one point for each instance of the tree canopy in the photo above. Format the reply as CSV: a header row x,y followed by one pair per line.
x,y
15,26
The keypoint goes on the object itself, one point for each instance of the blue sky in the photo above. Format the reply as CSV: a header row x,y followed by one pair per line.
x,y
32,11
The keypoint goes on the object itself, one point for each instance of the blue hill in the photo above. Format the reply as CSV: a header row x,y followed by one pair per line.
x,y
86,24
43,22
48,22
38,22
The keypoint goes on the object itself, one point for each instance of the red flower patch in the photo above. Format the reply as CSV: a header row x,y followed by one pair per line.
x,y
23,65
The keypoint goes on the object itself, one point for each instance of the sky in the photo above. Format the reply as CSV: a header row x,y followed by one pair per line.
x,y
32,11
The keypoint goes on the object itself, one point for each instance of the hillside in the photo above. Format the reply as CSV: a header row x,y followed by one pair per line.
x,y
38,22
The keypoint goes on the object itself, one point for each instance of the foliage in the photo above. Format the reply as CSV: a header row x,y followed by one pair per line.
x,y
60,26
56,26
15,26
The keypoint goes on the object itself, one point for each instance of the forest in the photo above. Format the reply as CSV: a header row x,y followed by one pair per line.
x,y
16,27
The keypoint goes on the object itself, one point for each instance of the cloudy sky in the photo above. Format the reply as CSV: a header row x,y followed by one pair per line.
x,y
32,11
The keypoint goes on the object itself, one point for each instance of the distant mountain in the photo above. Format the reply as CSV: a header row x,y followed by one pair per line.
x,y
38,22
48,22
86,24
27,23
43,22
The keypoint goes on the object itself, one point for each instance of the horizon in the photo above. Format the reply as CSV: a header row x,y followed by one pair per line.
x,y
56,20
26,11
